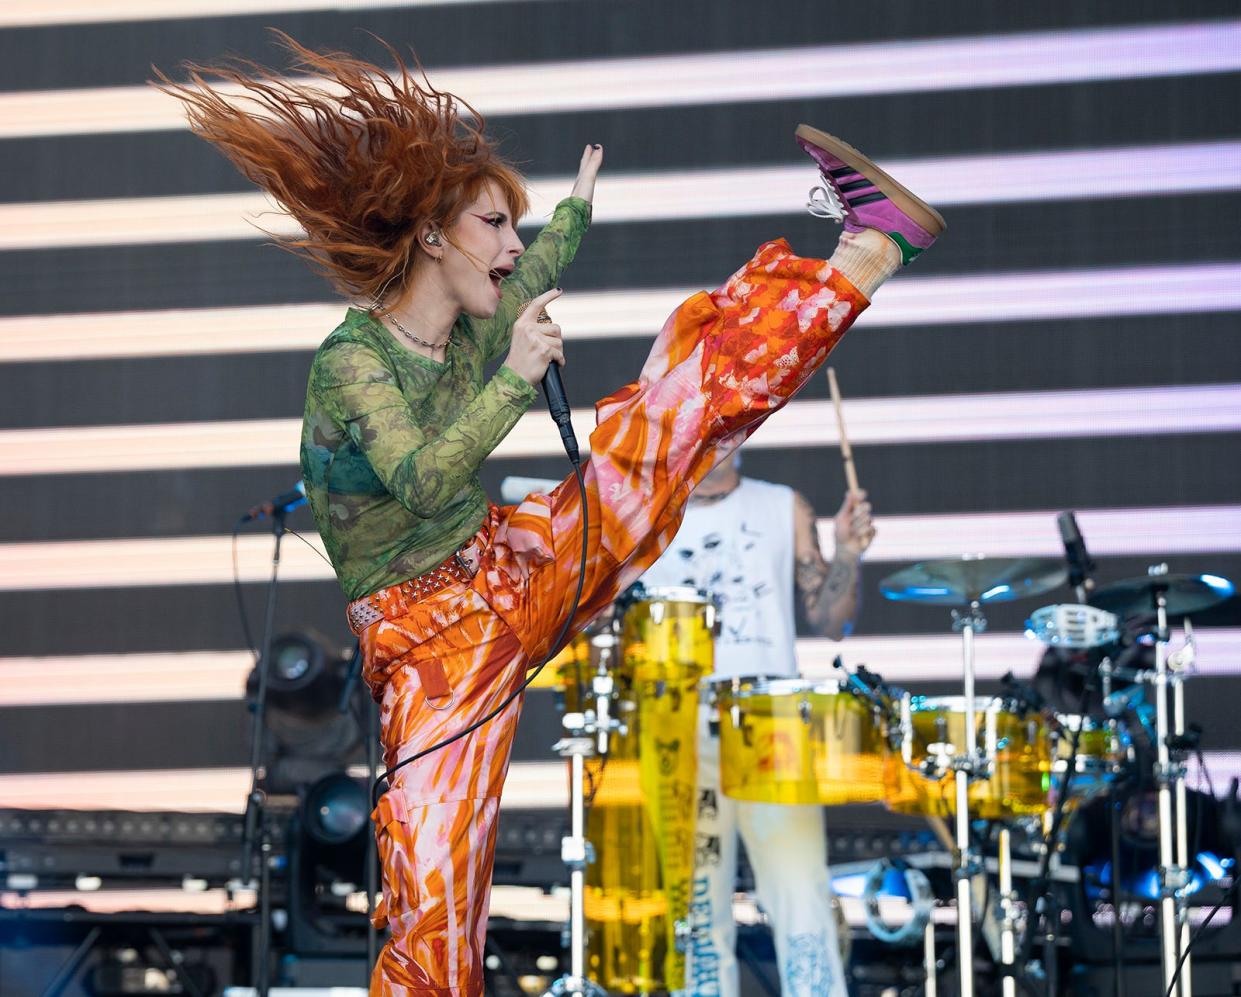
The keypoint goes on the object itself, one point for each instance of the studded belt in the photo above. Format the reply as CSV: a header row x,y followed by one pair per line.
x,y
460,568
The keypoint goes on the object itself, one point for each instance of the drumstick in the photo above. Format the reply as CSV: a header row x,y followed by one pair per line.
x,y
940,827
846,451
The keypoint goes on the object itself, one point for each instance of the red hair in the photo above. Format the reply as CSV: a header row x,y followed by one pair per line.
x,y
361,158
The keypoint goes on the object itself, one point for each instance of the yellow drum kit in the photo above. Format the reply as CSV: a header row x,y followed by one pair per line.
x,y
631,686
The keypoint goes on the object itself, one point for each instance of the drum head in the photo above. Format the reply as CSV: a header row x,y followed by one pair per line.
x,y
747,686
670,593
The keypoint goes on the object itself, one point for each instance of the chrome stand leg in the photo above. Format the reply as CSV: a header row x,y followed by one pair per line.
x,y
1184,860
1008,940
966,766
575,851
1170,874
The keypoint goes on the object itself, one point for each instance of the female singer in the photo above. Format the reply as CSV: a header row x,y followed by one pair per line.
x,y
409,211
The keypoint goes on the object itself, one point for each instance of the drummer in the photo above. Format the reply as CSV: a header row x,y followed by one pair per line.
x,y
754,545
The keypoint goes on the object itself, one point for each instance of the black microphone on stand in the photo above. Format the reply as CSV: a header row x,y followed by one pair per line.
x,y
1081,564
282,503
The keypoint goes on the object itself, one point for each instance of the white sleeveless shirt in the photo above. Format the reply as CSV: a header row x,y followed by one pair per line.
x,y
741,550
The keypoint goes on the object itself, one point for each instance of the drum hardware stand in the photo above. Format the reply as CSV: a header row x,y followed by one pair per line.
x,y
1170,778
589,732
1179,664
929,964
965,766
1113,812
1008,914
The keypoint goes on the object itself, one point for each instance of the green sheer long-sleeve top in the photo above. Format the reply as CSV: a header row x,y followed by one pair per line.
x,y
392,441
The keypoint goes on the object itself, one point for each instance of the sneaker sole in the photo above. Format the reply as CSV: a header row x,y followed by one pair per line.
x,y
905,199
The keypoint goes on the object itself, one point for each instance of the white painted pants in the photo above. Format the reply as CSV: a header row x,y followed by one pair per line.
x,y
787,847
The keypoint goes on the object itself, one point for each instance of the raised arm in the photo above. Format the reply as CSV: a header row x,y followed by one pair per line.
x,y
545,259
422,472
831,595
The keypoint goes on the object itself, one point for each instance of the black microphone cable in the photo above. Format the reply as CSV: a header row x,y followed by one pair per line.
x,y
552,651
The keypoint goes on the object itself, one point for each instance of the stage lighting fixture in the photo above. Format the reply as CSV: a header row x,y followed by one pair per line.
x,y
307,736
336,810
327,864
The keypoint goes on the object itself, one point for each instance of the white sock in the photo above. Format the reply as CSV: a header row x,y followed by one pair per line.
x,y
866,258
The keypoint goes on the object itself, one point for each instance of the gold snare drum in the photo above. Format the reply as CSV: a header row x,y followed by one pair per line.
x,y
641,823
1018,746
794,741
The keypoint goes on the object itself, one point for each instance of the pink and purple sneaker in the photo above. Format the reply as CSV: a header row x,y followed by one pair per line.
x,y
859,194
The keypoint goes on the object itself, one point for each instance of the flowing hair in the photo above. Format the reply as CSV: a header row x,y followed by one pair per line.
x,y
361,158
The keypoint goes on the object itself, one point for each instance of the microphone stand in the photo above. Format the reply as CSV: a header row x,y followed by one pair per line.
x,y
256,818
371,733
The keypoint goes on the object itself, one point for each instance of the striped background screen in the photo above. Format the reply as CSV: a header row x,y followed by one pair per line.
x,y
1072,343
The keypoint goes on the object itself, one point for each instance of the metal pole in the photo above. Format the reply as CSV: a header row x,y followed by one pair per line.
x,y
577,878
575,852
1183,858
965,765
1008,943
1168,872
928,958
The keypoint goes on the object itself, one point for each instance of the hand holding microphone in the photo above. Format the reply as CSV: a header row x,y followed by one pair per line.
x,y
537,341
538,350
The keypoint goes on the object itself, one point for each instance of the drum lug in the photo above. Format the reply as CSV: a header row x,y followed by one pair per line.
x,y
681,934
804,711
576,853
713,618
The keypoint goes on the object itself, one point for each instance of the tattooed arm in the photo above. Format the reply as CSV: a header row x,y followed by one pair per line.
x,y
831,594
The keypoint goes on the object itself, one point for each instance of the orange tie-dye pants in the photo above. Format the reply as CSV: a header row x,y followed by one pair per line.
x,y
722,363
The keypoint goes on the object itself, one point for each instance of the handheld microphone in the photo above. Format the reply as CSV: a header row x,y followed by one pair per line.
x,y
282,503
558,404
1081,564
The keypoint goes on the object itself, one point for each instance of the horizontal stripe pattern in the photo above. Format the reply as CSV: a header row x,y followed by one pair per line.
x,y
209,560
770,191
871,421
28,13
221,675
1042,296
835,71
530,786
199,617
1068,346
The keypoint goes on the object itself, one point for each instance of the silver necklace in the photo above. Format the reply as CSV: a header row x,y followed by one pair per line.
x,y
421,342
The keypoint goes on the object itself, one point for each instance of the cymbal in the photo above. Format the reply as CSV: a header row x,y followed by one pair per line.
x,y
1186,594
972,578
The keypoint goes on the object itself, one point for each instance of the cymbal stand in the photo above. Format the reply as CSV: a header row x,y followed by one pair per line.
x,y
588,735
1178,664
1008,914
1170,778
966,766
1113,813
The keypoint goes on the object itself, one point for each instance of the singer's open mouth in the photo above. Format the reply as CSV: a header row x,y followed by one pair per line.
x,y
498,274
